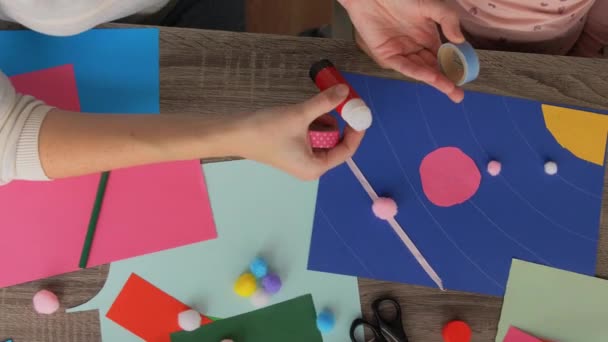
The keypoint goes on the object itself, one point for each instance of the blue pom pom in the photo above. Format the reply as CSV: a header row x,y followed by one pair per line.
x,y
326,322
259,267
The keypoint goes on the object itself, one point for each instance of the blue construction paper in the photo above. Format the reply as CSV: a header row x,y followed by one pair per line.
x,y
116,69
522,213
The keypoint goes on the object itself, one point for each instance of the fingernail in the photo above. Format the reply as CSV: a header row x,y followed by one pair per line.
x,y
342,90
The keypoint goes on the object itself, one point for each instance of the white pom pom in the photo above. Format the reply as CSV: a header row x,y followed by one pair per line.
x,y
189,320
551,168
260,298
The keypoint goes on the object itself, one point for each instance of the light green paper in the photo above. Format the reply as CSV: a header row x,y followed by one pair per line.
x,y
554,304
256,209
293,321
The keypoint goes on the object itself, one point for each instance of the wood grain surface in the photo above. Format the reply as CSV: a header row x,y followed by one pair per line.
x,y
206,72
289,17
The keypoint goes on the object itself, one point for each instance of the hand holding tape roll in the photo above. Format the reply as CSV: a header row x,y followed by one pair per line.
x,y
458,62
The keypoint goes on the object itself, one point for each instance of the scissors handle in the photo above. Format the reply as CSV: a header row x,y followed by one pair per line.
x,y
391,330
361,322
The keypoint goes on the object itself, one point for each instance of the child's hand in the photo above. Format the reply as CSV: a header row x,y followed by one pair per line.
x,y
279,136
402,35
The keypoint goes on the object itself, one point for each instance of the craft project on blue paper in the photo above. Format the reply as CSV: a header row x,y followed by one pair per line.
x,y
468,233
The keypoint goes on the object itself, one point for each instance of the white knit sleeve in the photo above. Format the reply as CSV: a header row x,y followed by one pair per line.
x,y
20,119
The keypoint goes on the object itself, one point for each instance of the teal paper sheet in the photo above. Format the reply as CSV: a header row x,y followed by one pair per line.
x,y
257,210
555,305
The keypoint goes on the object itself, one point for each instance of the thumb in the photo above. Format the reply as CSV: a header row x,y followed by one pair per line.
x,y
446,17
325,101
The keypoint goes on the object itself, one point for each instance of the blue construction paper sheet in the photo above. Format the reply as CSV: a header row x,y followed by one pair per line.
x,y
116,69
522,213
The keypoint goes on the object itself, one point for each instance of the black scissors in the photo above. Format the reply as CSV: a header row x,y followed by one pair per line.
x,y
385,330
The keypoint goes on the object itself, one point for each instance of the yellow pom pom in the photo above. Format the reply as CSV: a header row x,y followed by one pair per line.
x,y
246,285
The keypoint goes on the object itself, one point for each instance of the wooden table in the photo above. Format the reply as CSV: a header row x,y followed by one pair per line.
x,y
209,72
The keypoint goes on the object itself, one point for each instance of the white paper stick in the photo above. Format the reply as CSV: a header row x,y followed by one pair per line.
x,y
396,227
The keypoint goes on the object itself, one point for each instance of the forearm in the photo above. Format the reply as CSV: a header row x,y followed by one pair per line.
x,y
72,144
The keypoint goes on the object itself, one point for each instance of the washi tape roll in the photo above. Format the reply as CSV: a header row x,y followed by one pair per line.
x,y
324,139
458,62
324,132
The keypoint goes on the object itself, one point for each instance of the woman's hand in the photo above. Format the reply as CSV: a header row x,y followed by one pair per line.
x,y
279,136
74,144
402,35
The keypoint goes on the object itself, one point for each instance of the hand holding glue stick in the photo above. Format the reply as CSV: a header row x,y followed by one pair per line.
x,y
353,110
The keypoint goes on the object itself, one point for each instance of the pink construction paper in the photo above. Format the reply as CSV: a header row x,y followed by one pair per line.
x,y
516,335
152,208
146,209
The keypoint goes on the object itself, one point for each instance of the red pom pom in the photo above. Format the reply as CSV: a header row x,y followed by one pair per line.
x,y
456,331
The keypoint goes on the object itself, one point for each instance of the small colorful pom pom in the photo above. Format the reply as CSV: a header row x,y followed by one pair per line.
x,y
258,267
45,302
260,298
551,168
494,168
189,320
456,331
326,322
271,283
384,208
245,285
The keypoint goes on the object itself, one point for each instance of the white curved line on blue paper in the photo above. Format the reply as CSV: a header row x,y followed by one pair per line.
x,y
515,192
407,179
560,226
576,187
521,245
523,137
483,213
423,114
344,242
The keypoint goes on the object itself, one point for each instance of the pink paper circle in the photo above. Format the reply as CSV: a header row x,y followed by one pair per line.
x,y
449,176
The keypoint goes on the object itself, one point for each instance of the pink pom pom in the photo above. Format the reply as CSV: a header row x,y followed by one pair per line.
x,y
384,208
45,302
494,168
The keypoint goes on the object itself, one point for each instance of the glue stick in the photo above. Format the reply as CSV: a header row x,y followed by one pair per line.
x,y
353,110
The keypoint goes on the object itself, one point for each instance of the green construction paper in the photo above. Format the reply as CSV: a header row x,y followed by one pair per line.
x,y
257,209
293,321
554,305
88,242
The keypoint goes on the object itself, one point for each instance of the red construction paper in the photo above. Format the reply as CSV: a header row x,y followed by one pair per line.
x,y
56,86
147,311
146,209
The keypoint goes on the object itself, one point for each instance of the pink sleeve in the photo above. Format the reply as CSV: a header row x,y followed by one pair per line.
x,y
593,41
